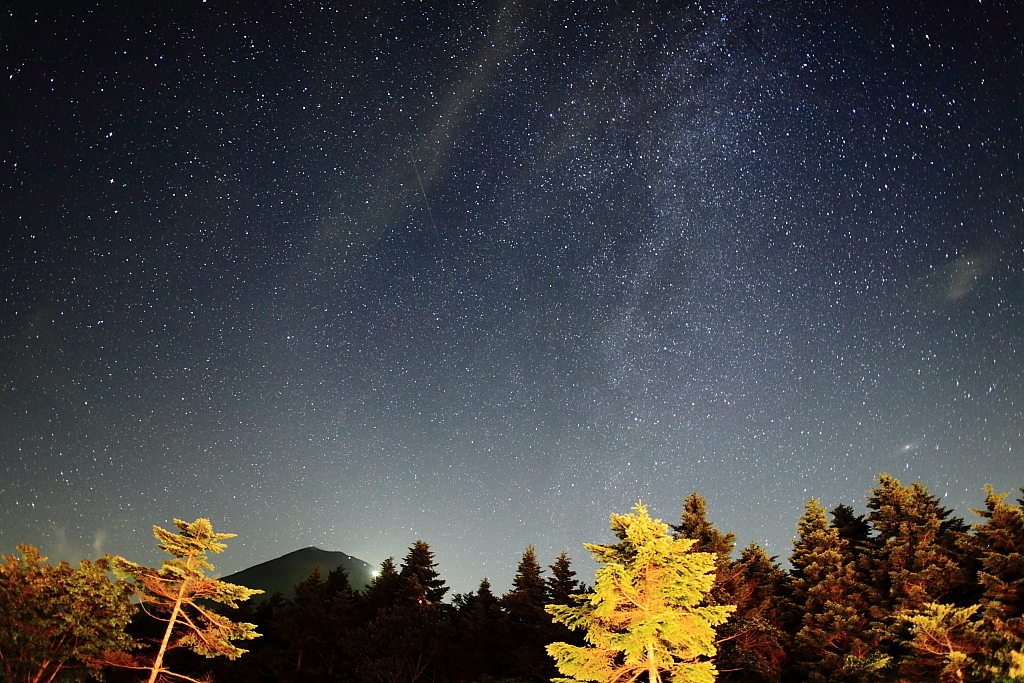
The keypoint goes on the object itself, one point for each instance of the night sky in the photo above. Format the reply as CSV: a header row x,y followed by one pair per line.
x,y
483,273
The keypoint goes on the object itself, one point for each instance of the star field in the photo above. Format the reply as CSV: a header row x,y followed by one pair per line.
x,y
482,273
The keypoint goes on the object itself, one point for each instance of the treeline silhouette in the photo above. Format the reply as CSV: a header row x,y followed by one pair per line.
x,y
907,592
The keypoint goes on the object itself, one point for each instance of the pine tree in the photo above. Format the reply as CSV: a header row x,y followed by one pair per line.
x,y
179,594
644,616
528,622
529,590
1000,541
694,525
313,626
831,599
59,623
734,662
384,590
915,555
852,528
408,633
423,583
562,584
757,640
914,558
485,639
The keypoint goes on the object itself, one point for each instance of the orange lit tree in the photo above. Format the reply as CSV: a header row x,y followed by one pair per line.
x,y
179,594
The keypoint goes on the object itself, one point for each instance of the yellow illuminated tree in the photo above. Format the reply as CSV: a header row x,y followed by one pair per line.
x,y
643,619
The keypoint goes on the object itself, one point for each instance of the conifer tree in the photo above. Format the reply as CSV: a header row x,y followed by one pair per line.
x,y
755,637
528,595
562,584
728,589
485,640
528,622
852,528
915,555
644,619
56,622
313,627
408,634
1000,541
940,644
832,603
423,583
384,590
914,558
694,524
178,594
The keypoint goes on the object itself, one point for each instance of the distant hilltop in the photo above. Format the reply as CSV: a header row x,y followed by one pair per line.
x,y
281,574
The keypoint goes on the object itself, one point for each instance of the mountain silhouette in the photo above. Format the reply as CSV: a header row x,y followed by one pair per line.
x,y
283,573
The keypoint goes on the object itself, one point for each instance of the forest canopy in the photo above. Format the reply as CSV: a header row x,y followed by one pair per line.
x,y
905,592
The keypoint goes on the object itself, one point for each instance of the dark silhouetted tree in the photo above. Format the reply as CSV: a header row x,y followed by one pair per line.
x,y
423,583
484,636
528,622
562,584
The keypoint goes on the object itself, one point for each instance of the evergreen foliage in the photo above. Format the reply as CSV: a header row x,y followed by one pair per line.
x,y
562,584
58,623
1000,543
644,619
830,596
529,625
904,594
179,594
385,589
422,582
753,643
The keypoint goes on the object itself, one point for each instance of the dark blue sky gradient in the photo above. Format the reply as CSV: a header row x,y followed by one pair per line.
x,y
482,273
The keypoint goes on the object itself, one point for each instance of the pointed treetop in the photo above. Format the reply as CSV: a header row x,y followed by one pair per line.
x,y
562,584
195,540
424,583
644,615
851,526
694,524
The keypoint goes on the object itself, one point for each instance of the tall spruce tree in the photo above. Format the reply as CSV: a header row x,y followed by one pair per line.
x,y
831,599
562,584
407,634
1000,541
385,589
528,621
757,639
484,636
915,558
733,663
314,626
694,525
644,620
423,583
852,528
916,549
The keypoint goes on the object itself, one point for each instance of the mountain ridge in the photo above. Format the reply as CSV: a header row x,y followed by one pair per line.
x,y
282,573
